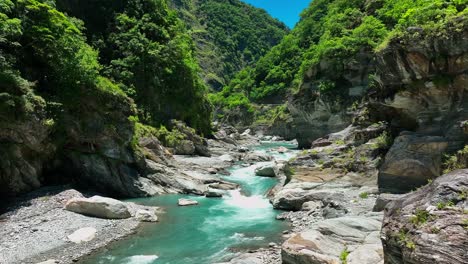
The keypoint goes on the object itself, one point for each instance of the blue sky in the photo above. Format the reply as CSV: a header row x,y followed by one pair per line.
x,y
285,10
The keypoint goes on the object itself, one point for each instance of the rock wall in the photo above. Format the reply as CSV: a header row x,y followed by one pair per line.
x,y
425,82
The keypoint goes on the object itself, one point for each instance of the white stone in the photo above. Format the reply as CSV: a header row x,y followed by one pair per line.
x,y
99,206
186,202
146,216
85,234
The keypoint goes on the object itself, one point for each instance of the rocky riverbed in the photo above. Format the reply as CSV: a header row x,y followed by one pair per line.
x,y
36,227
329,194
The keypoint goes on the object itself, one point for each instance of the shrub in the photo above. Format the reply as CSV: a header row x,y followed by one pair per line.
x,y
364,195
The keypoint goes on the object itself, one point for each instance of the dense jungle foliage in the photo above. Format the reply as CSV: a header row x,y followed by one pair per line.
x,y
332,32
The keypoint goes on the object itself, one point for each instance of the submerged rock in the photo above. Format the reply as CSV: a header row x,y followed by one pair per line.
x,y
213,194
99,206
187,202
429,225
83,235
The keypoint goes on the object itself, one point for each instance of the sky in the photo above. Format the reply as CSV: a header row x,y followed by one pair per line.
x,y
285,10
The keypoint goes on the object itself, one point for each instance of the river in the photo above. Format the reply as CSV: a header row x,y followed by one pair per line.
x,y
210,232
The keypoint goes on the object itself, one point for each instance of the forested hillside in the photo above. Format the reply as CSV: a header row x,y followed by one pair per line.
x,y
331,50
145,48
229,36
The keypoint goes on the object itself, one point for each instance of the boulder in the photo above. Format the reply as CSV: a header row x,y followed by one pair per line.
x,y
411,162
187,202
213,194
257,157
312,206
293,197
383,200
146,215
430,224
185,147
99,206
224,186
270,170
83,235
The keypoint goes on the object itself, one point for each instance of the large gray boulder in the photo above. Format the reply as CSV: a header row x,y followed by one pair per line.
x,y
270,170
99,206
429,225
411,162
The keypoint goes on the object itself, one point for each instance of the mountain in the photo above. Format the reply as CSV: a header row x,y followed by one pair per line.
x,y
304,86
229,35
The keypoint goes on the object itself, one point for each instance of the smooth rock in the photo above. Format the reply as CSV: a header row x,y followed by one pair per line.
x,y
270,170
411,162
223,186
146,216
99,206
83,235
325,241
187,202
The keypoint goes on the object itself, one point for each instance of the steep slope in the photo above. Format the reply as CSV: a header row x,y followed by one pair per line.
x,y
145,48
229,36
65,117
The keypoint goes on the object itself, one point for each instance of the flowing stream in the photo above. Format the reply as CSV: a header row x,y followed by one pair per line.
x,y
209,232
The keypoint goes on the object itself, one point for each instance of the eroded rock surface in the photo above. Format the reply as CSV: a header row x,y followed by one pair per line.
x,y
430,224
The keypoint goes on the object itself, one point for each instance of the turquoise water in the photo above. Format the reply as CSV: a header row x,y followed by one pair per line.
x,y
209,232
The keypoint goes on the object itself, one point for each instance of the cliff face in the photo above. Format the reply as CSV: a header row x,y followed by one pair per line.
x,y
62,121
425,88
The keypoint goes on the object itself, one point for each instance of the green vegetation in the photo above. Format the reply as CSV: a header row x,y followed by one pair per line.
x,y
344,256
364,195
420,217
145,49
383,141
406,240
230,36
442,205
315,56
456,161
